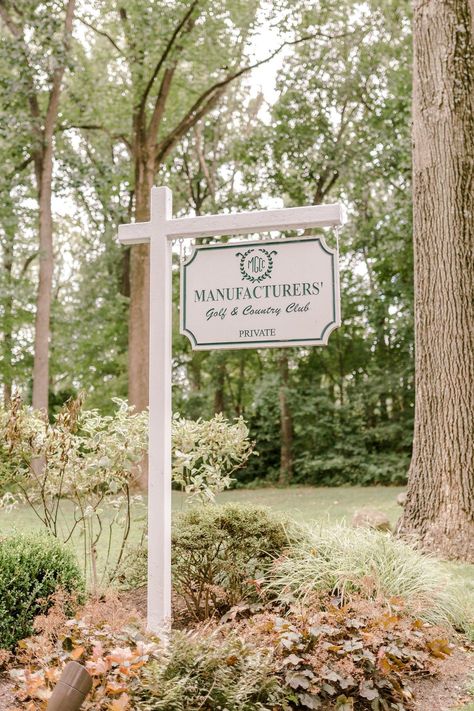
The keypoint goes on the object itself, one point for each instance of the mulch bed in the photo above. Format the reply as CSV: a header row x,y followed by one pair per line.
x,y
442,692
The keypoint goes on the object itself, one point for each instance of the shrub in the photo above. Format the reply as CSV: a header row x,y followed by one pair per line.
x,y
205,671
220,552
207,452
92,461
32,567
218,555
343,560
82,457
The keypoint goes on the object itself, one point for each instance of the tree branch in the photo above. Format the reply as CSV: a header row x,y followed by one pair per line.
x,y
209,99
191,118
53,103
160,104
165,54
102,33
97,127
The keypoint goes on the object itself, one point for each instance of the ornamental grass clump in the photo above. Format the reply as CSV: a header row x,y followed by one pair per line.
x,y
343,561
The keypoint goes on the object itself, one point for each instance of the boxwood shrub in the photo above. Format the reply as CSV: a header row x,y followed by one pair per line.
x,y
32,568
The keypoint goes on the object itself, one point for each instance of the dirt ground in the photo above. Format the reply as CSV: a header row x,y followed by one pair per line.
x,y
7,700
447,689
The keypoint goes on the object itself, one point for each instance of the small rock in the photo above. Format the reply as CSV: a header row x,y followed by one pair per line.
x,y
402,498
371,518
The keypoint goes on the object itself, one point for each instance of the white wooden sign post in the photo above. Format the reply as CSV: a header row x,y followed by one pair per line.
x,y
160,232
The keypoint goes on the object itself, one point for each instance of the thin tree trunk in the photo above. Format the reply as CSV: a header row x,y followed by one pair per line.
x,y
7,349
44,174
439,513
219,392
286,424
45,283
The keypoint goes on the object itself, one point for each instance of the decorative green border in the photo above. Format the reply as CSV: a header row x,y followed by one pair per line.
x,y
247,344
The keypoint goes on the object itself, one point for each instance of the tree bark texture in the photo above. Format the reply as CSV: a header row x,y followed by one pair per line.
x,y
439,513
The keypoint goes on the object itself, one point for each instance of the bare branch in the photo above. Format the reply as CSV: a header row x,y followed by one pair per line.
x,y
102,33
97,127
202,161
191,118
160,104
24,164
27,263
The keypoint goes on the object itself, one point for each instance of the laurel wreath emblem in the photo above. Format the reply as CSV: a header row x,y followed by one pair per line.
x,y
256,279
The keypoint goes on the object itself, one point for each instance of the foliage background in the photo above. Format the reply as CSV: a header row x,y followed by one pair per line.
x,y
336,129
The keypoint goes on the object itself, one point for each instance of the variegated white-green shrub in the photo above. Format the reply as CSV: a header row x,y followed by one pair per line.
x,y
78,472
207,452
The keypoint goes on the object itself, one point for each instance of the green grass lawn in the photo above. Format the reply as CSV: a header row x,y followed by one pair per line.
x,y
304,504
325,505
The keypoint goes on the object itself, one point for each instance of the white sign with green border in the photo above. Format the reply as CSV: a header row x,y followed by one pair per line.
x,y
260,294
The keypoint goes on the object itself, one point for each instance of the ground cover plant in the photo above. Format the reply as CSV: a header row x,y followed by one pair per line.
x,y
109,640
207,670
326,627
359,656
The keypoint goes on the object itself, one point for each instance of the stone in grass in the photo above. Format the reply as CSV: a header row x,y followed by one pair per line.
x,y
371,518
402,498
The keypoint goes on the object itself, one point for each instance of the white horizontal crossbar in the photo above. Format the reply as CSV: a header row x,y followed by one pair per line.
x,y
134,233
290,218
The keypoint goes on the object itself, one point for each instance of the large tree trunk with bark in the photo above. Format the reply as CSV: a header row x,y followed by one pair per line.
x,y
439,513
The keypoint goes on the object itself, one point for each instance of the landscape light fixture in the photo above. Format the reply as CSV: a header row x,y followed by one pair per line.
x,y
72,688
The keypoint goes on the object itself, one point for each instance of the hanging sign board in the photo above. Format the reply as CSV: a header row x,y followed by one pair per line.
x,y
240,295
260,294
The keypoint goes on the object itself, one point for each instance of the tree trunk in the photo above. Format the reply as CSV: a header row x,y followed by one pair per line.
x,y
45,282
439,513
139,312
44,176
7,348
219,392
286,424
